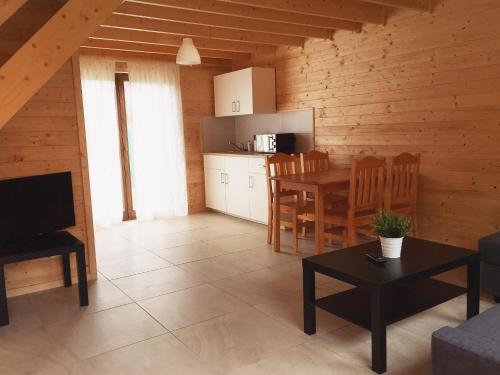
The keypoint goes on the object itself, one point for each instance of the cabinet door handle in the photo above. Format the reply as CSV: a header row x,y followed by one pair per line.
x,y
226,178
238,106
222,177
233,106
250,182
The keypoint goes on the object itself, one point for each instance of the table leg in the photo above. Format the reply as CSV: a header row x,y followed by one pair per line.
x,y
66,270
319,211
277,216
82,277
473,271
4,311
309,291
378,328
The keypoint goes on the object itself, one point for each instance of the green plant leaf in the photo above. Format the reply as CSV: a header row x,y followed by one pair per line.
x,y
389,225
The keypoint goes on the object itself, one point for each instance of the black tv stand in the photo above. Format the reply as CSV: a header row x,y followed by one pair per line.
x,y
42,246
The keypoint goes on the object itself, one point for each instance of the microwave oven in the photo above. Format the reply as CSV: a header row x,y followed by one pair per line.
x,y
277,142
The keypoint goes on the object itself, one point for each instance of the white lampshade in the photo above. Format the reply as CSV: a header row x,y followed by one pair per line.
x,y
188,54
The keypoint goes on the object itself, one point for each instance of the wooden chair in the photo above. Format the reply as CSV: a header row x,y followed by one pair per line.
x,y
402,186
366,197
317,161
314,161
292,203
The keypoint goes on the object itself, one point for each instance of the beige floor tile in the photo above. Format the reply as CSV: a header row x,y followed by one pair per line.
x,y
117,250
190,253
191,306
244,226
263,286
57,370
162,355
232,264
63,303
216,232
304,359
110,236
30,351
158,282
238,242
333,286
241,338
293,271
212,269
260,257
94,334
165,241
131,265
291,313
407,353
22,316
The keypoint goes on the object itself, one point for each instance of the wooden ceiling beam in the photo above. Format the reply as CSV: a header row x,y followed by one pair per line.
x,y
47,50
8,8
421,5
176,40
251,12
223,21
124,56
160,49
350,10
180,28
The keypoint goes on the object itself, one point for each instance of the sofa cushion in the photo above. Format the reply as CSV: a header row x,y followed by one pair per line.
x,y
486,325
490,248
455,352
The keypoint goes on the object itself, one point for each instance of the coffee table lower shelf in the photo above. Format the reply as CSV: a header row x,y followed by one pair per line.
x,y
353,305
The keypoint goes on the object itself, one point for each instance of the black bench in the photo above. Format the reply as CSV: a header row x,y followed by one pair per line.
x,y
43,246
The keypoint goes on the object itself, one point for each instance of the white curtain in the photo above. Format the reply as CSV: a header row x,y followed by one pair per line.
x,y
101,125
154,114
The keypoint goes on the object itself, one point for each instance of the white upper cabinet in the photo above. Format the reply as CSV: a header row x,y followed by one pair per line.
x,y
245,92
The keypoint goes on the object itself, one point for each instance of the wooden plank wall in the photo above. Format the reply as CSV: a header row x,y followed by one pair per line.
x,y
197,102
44,138
424,82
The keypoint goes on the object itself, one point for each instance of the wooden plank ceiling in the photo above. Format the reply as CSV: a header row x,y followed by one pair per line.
x,y
226,30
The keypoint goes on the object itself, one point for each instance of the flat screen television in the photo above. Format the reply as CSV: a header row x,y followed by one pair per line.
x,y
31,206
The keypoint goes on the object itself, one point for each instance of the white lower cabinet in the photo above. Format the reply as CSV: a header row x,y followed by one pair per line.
x,y
258,197
215,189
236,185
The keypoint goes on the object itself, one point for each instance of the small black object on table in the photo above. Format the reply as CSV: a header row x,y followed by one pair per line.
x,y
42,246
388,293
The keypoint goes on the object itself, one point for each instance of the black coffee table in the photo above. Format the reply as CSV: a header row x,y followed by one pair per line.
x,y
389,293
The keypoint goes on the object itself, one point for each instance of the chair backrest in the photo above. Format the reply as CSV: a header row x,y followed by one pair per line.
x,y
279,164
366,188
402,180
314,161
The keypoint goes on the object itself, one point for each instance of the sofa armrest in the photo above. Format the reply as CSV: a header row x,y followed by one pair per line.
x,y
456,351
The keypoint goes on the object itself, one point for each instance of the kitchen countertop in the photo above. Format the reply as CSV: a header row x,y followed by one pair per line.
x,y
250,154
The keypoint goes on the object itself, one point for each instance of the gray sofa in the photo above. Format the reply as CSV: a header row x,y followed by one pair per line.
x,y
490,254
471,348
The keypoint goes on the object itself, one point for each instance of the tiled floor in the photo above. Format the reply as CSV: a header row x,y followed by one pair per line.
x,y
203,294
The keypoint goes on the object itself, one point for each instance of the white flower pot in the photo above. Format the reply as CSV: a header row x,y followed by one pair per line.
x,y
391,247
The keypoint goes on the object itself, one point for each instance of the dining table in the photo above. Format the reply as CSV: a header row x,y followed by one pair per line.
x,y
318,183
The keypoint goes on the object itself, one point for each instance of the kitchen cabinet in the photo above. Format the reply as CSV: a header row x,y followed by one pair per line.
x,y
258,197
215,189
244,92
236,185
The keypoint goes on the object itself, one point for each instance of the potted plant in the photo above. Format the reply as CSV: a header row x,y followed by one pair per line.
x,y
391,230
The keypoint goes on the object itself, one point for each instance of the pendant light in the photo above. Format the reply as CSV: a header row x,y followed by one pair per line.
x,y
188,54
